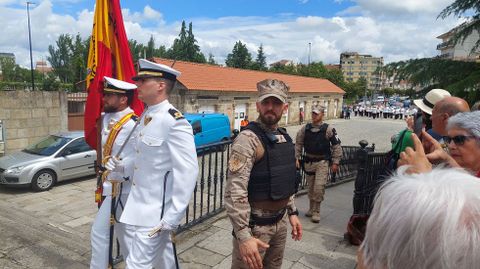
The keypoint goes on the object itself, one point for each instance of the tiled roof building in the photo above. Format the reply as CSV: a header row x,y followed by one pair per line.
x,y
211,88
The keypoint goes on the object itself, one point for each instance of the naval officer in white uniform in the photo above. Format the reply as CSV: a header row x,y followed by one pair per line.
x,y
117,96
165,171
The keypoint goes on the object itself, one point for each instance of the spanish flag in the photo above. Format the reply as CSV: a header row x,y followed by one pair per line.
x,y
109,55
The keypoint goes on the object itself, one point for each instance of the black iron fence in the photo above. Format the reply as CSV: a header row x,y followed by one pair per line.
x,y
370,167
207,199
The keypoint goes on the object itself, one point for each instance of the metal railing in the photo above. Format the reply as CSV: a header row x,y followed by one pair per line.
x,y
207,199
368,180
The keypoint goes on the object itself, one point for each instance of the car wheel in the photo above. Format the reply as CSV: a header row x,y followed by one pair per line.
x,y
43,180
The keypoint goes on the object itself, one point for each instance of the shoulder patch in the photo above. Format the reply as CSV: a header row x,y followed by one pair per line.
x,y
176,114
236,162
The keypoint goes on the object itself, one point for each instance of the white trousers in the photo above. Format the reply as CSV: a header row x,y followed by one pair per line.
x,y
100,234
149,252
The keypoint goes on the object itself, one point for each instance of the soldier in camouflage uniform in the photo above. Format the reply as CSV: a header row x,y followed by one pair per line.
x,y
259,196
322,147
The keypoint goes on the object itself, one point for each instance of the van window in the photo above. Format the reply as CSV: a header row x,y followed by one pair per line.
x,y
197,127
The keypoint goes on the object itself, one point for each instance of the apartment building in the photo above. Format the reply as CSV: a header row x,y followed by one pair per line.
x,y
355,66
460,51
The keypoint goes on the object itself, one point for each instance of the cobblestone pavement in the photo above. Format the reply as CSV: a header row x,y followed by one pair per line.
x,y
52,229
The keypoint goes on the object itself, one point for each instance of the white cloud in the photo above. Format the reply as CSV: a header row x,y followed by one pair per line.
x,y
399,8
7,2
368,31
148,15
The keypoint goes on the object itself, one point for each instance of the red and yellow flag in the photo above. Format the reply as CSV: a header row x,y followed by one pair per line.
x,y
109,55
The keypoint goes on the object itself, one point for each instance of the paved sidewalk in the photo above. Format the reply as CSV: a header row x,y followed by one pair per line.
x,y
30,241
209,245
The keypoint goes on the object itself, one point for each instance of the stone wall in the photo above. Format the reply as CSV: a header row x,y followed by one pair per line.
x,y
28,116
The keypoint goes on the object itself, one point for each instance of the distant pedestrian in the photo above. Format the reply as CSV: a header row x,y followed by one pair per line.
x,y
301,115
244,123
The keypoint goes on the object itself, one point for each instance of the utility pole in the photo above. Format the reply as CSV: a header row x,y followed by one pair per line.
x,y
30,42
309,51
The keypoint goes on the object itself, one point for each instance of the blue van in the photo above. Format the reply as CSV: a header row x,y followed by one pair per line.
x,y
209,128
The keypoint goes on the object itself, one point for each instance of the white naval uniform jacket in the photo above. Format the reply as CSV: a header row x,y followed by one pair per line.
x,y
164,150
127,154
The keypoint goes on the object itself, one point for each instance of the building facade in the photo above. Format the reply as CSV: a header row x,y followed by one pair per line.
x,y
462,51
355,66
208,88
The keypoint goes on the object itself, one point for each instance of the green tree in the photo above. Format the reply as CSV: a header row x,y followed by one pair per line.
x,y
61,58
8,68
211,59
177,51
78,61
261,60
356,89
136,49
150,49
161,51
193,52
240,56
185,47
285,69
459,8
387,92
459,78
50,83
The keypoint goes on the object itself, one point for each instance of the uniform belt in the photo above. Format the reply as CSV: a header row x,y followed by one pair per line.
x,y
313,159
264,221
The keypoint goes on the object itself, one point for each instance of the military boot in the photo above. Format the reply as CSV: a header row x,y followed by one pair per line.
x,y
310,209
316,213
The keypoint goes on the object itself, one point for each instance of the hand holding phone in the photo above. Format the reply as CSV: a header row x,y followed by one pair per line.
x,y
418,124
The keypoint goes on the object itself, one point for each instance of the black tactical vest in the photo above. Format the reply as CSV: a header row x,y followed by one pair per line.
x,y
273,176
317,142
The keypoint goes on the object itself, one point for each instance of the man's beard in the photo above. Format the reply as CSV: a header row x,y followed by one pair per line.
x,y
270,118
110,109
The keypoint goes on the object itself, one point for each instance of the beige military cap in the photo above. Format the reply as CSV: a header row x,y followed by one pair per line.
x,y
318,109
272,87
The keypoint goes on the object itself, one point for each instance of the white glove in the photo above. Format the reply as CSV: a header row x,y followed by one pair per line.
x,y
113,164
163,226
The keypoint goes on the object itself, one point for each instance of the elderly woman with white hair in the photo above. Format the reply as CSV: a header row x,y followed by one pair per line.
x,y
424,221
463,142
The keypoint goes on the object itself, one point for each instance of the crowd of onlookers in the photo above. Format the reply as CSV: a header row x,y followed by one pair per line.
x,y
378,111
428,214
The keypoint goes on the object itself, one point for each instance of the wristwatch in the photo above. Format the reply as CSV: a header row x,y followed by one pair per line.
x,y
293,213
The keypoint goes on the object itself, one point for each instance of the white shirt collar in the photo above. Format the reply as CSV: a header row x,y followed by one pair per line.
x,y
160,106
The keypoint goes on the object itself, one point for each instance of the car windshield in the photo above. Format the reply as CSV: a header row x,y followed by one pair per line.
x,y
48,145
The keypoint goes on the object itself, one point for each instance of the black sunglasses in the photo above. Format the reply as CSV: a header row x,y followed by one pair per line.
x,y
458,139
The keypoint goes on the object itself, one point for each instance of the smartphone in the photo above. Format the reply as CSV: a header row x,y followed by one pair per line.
x,y
418,124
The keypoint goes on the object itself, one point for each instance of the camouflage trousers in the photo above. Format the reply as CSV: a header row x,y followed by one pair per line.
x,y
316,183
275,235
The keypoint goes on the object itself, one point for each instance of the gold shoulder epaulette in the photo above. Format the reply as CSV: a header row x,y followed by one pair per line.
x,y
176,114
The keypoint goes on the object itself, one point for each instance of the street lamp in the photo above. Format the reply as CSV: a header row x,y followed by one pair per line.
x,y
309,51
30,42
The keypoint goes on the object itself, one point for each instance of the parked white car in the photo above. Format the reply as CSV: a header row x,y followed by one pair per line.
x,y
54,158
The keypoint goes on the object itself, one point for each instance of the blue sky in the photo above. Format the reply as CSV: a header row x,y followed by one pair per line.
x,y
395,30
177,10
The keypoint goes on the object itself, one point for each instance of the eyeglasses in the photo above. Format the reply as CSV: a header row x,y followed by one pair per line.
x,y
458,139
